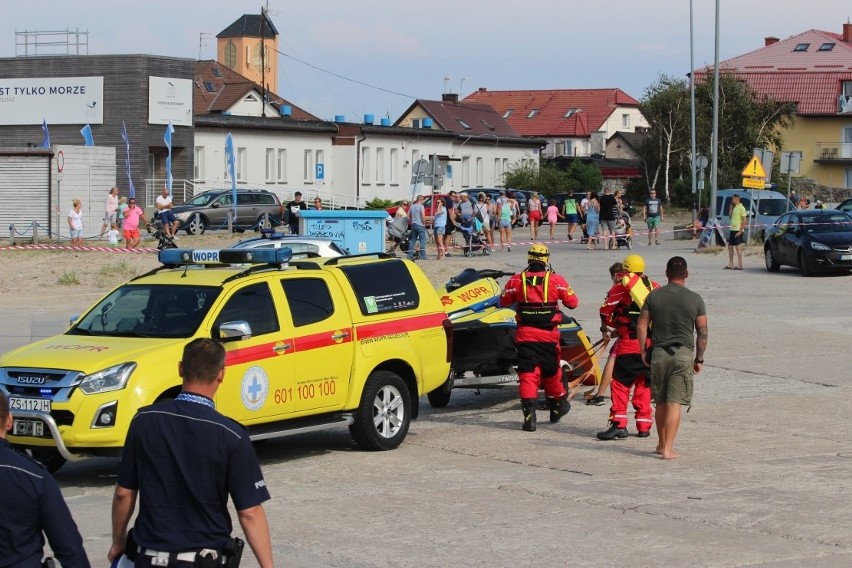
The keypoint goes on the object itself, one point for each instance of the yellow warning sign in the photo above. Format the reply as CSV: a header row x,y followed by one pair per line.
x,y
754,169
754,183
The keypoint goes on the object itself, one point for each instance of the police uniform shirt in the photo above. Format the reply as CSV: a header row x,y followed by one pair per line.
x,y
32,503
185,459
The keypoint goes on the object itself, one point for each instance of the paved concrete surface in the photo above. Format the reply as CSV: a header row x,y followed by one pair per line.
x,y
764,480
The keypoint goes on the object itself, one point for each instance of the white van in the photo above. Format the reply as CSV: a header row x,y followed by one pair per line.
x,y
764,206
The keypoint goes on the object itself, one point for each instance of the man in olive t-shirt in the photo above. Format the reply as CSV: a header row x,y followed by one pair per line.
x,y
674,315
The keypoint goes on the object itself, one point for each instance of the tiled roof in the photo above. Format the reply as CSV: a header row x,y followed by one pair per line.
x,y
810,78
543,113
229,87
464,118
634,140
249,25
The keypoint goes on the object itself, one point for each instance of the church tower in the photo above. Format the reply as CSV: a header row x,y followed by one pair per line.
x,y
249,46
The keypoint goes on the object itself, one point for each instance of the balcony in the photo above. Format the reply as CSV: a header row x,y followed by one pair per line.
x,y
833,153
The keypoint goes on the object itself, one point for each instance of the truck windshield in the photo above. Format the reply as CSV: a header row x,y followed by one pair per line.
x,y
768,207
149,311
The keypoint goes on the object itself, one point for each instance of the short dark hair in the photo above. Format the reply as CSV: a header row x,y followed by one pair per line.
x,y
4,409
298,194
615,269
202,360
676,267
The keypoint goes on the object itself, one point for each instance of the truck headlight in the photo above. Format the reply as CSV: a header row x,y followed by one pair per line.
x,y
110,379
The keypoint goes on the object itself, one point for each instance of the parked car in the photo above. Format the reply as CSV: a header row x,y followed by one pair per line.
x,y
814,240
299,245
846,206
762,205
209,210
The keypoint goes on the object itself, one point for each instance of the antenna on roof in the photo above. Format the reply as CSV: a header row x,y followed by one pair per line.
x,y
203,37
447,79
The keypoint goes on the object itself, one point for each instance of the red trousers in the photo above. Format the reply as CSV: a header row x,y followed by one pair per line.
x,y
641,402
553,387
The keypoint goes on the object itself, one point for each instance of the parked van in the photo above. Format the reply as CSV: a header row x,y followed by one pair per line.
x,y
764,206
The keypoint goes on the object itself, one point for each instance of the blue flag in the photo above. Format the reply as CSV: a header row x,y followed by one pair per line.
x,y
131,190
45,143
86,131
168,139
232,168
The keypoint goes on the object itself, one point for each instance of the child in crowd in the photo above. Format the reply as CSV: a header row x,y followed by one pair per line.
x,y
122,205
553,215
112,235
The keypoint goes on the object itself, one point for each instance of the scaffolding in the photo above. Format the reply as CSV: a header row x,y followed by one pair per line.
x,y
61,42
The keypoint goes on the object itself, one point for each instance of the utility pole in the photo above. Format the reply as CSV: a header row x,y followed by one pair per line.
x,y
263,61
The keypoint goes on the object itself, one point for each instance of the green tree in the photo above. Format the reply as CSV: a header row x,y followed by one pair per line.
x,y
545,178
747,120
585,176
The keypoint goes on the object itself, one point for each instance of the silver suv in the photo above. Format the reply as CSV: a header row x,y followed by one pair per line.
x,y
256,209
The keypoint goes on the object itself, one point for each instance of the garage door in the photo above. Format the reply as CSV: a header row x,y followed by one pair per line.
x,y
24,194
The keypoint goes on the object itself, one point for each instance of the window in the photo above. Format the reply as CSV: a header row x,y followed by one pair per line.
x,y
252,304
463,124
209,86
479,172
394,166
801,47
230,55
827,46
625,120
415,155
282,165
248,57
242,164
308,165
507,114
487,125
388,289
570,112
415,123
198,166
217,72
465,180
308,299
498,174
380,165
270,165
532,113
848,178
365,164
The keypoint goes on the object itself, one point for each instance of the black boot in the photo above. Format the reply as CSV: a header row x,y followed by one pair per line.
x,y
559,407
528,407
613,433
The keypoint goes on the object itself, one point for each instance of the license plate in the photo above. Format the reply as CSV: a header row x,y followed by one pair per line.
x,y
23,427
846,257
19,403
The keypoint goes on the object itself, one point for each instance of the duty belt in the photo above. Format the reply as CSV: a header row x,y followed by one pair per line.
x,y
159,558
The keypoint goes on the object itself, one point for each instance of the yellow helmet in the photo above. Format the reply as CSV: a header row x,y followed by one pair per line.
x,y
538,253
634,263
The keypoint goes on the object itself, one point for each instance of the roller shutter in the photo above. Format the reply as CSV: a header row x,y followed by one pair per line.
x,y
24,194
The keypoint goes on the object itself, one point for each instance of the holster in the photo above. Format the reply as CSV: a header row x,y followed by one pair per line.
x,y
131,549
234,552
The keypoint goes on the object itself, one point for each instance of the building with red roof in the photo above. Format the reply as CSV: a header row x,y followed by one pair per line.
x,y
813,70
574,122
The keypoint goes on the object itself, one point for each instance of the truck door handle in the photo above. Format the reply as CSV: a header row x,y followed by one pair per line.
x,y
340,335
282,348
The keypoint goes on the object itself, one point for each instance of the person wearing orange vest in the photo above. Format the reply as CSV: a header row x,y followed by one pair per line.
x,y
620,311
537,292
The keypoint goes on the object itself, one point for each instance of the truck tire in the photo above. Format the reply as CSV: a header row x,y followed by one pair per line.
x,y
50,457
384,415
440,397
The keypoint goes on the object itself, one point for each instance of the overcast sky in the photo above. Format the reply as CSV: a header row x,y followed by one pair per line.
x,y
408,48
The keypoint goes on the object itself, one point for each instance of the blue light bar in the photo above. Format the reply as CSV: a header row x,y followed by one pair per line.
x,y
271,234
225,256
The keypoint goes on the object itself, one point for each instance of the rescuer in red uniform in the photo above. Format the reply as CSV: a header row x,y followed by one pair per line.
x,y
537,292
620,310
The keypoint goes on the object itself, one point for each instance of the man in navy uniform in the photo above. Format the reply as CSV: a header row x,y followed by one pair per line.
x,y
183,458
32,505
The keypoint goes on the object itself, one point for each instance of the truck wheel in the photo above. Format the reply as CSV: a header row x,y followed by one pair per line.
x,y
440,397
50,457
384,414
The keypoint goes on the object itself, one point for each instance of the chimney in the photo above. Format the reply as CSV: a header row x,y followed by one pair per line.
x,y
847,32
450,98
769,40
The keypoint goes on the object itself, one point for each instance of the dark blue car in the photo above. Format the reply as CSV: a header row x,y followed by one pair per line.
x,y
813,240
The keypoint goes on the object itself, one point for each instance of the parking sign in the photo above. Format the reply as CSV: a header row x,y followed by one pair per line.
x,y
320,171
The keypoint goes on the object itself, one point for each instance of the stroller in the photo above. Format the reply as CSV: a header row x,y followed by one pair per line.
x,y
471,229
156,229
623,232
398,233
